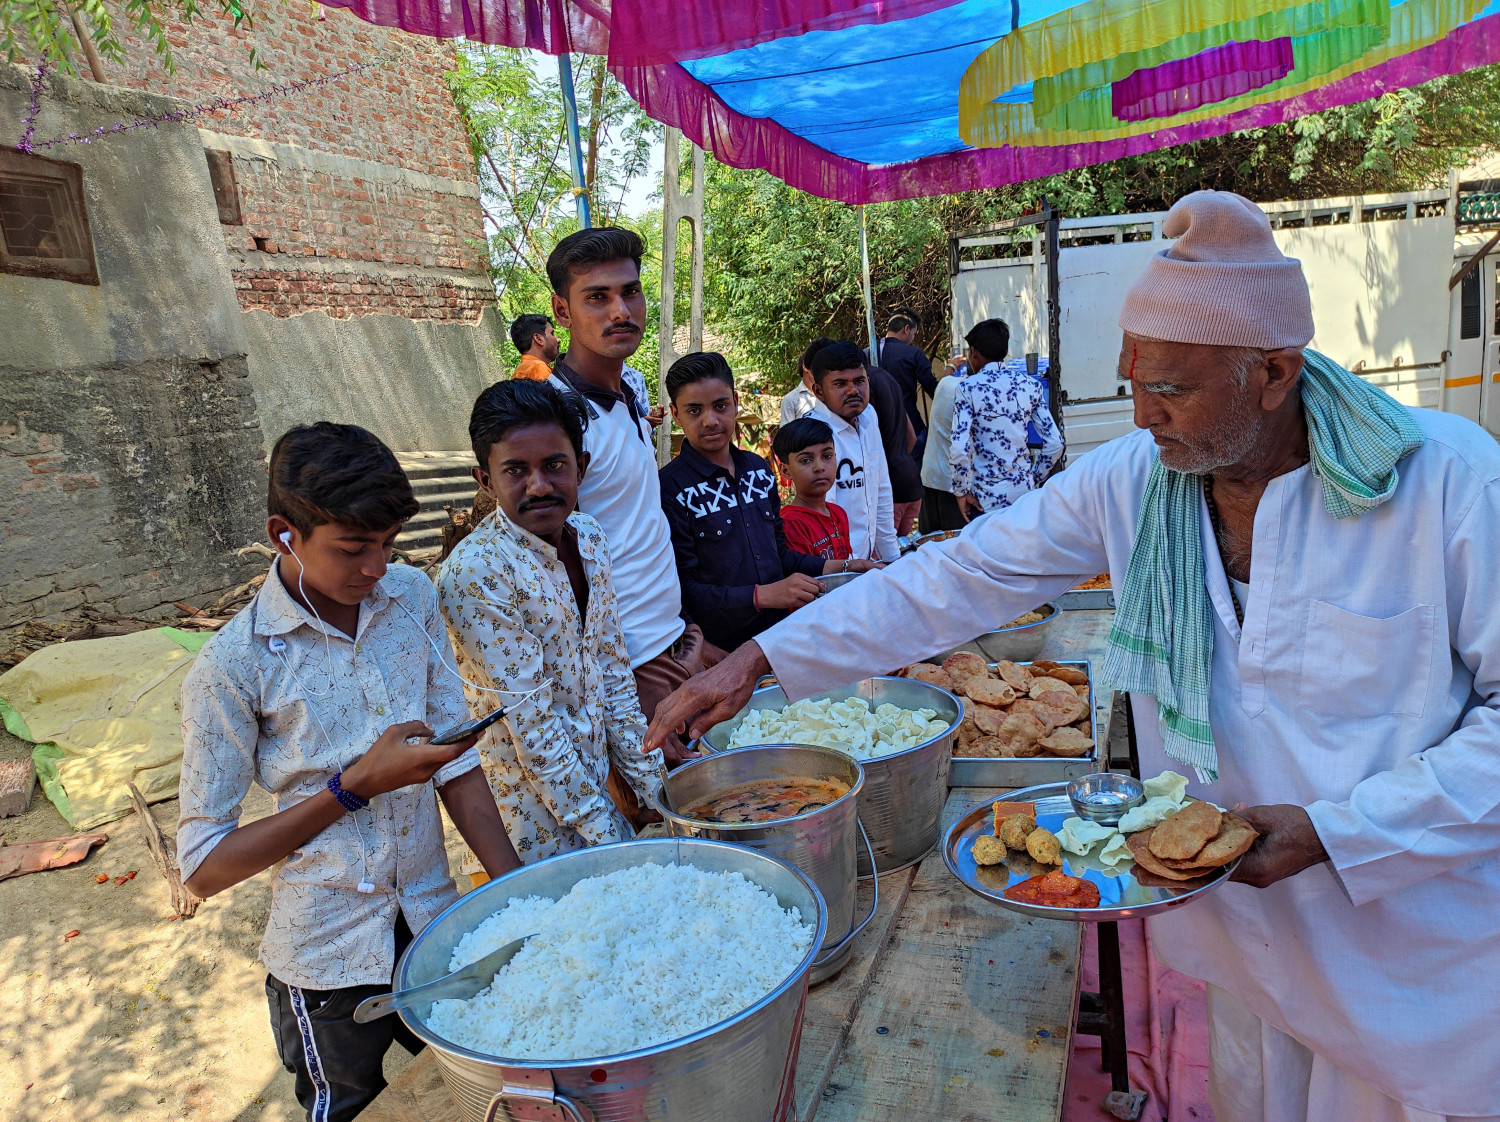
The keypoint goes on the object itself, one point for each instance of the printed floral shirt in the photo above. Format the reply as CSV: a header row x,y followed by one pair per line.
x,y
515,623
279,699
987,450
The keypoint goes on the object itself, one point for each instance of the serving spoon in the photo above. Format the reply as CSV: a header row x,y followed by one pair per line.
x,y
466,981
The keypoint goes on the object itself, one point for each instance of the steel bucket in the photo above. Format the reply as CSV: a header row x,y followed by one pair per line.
x,y
901,804
742,1069
821,842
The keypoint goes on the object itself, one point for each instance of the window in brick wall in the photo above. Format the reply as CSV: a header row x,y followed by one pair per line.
x,y
226,193
44,228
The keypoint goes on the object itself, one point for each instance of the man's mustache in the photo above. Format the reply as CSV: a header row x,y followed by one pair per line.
x,y
539,503
635,327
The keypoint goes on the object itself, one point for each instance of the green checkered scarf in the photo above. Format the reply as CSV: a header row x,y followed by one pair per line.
x,y
1162,642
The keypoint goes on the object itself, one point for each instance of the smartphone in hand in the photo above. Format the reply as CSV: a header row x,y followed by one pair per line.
x,y
465,729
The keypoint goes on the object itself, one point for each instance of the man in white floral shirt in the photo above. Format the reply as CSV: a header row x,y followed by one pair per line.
x,y
530,604
992,466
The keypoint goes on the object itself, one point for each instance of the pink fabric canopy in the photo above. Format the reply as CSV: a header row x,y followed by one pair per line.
x,y
856,100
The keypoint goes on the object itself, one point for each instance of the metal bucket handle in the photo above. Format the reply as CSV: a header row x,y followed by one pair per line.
x,y
536,1094
838,947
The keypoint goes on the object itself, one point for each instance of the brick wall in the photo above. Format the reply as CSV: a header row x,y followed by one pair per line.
x,y
289,292
372,171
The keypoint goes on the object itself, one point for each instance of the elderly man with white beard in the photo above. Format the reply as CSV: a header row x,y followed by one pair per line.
x,y
1309,620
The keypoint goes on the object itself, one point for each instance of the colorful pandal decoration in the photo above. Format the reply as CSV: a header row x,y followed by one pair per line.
x,y
1111,69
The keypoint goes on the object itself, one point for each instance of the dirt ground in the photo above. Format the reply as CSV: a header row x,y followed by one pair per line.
x,y
140,1016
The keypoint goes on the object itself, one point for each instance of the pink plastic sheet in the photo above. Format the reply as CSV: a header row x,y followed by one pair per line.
x,y
1166,1029
1183,84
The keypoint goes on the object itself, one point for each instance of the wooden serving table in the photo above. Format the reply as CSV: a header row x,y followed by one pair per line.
x,y
950,1008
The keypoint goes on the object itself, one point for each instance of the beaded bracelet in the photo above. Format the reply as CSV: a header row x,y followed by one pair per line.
x,y
347,799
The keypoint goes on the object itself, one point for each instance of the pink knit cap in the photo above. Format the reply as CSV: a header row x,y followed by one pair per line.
x,y
1224,282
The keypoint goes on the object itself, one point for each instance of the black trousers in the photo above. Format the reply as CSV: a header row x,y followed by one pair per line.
x,y
939,512
338,1064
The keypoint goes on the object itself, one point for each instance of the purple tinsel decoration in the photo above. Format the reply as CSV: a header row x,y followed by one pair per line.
x,y
33,108
218,105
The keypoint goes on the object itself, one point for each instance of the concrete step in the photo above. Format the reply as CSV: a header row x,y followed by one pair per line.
x,y
440,484
453,494
437,479
427,465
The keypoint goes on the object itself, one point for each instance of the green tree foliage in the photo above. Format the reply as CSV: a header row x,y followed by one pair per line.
x,y
512,103
49,30
783,266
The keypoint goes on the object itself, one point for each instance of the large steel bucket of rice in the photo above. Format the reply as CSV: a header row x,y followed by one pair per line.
x,y
901,804
742,1069
821,842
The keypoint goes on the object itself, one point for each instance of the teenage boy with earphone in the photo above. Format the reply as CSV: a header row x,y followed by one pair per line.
x,y
325,690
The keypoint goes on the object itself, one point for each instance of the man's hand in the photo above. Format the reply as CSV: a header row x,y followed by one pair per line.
x,y
657,415
1287,844
392,763
790,593
969,507
708,698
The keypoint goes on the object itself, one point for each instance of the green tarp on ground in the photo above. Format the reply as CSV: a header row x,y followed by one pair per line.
x,y
103,713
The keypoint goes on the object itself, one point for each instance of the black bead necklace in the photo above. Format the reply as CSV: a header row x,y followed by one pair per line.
x,y
1213,520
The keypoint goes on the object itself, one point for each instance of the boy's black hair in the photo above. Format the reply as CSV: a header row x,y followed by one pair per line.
x,y
326,472
811,349
991,338
900,322
520,401
526,328
697,367
842,355
593,246
796,435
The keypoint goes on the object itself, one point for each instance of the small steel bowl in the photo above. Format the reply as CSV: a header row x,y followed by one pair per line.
x,y
1104,797
830,581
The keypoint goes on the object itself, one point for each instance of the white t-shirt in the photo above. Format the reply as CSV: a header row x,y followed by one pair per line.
x,y
862,485
622,493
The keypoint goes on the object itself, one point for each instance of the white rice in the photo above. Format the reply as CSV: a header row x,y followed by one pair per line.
x,y
624,961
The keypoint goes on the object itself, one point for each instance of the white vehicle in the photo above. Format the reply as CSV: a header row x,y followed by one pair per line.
x,y
1379,268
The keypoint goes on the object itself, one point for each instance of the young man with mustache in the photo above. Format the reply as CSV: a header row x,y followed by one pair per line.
x,y
530,604
863,483
597,296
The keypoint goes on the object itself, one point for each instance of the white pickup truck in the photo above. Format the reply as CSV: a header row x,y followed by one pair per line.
x,y
1378,266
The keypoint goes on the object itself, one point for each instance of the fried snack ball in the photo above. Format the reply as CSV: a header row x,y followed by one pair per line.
x,y
988,850
1016,829
989,691
1044,847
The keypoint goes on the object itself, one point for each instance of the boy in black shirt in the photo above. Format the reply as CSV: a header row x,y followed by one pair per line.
x,y
738,576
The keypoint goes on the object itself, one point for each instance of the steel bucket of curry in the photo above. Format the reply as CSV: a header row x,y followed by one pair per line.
x,y
794,802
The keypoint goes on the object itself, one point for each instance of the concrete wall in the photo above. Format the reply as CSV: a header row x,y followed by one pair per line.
x,y
130,450
411,382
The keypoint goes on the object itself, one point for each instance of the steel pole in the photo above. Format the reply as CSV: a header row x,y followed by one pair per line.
x,y
575,146
864,266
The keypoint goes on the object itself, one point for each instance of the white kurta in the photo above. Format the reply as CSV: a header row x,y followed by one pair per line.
x,y
1366,687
